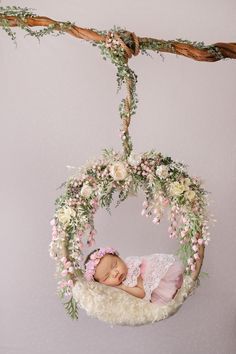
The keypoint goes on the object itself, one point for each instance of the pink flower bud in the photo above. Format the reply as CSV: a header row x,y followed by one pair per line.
x,y
155,220
52,222
200,241
93,233
165,202
70,282
145,204
81,245
195,248
63,260
174,223
68,264
193,268
71,270
190,261
64,273
196,256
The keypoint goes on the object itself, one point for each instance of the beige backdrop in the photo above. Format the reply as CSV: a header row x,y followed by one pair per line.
x,y
59,107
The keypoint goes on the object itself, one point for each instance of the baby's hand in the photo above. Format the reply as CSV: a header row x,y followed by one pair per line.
x,y
140,281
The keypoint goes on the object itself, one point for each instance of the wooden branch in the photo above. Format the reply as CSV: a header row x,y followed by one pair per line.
x,y
225,50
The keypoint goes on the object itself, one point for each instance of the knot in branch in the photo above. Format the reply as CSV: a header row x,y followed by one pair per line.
x,y
113,41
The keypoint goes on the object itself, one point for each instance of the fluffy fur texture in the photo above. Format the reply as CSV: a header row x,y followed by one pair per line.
x,y
117,307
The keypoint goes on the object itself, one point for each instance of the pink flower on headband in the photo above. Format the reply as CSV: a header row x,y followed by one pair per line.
x,y
95,258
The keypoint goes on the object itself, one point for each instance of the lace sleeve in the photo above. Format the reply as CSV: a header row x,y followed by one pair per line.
x,y
133,264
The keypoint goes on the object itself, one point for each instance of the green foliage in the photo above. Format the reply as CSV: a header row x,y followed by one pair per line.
x,y
5,26
21,14
203,274
124,74
201,45
71,308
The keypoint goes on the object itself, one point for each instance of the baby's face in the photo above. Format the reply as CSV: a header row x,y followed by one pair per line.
x,y
111,270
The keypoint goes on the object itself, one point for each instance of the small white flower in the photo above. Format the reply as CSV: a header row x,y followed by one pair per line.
x,y
200,241
65,214
64,273
176,188
187,181
195,248
86,191
134,159
190,195
190,261
162,171
118,171
196,256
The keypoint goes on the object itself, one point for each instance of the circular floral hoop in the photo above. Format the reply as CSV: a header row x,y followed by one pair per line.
x,y
165,183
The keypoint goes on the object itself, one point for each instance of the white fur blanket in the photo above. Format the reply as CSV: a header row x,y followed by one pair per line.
x,y
117,307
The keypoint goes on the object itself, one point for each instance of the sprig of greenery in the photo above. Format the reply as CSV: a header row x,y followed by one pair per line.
x,y
21,12
21,15
201,45
71,308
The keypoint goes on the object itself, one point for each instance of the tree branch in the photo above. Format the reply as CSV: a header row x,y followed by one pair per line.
x,y
194,50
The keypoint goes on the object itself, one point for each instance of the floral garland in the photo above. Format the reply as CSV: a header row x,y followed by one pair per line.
x,y
165,184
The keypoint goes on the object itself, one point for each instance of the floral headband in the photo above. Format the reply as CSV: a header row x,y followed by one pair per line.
x,y
94,259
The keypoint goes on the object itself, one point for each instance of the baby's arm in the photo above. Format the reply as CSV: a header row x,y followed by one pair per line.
x,y
137,290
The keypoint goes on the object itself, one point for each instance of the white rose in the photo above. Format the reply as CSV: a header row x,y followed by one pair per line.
x,y
187,181
118,171
190,195
134,159
64,215
86,191
176,188
162,171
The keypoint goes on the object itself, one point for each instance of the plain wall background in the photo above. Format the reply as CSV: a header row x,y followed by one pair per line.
x,y
59,107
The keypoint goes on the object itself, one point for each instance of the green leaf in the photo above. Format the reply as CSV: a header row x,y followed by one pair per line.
x,y
71,308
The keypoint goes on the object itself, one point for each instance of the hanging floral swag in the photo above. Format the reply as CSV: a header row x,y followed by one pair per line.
x,y
165,184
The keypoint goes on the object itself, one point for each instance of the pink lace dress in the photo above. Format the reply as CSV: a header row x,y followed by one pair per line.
x,y
162,276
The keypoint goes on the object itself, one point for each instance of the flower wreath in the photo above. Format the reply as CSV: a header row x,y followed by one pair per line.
x,y
165,184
